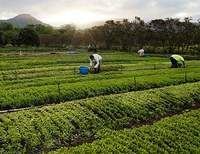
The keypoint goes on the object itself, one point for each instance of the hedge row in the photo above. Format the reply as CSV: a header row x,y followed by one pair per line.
x,y
63,124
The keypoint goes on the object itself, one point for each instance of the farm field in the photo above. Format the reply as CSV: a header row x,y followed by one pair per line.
x,y
123,109
177,134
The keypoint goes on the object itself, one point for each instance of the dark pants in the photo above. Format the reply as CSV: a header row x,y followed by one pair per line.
x,y
97,70
92,49
174,62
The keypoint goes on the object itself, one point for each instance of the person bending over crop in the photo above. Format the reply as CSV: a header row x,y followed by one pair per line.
x,y
141,52
177,61
96,59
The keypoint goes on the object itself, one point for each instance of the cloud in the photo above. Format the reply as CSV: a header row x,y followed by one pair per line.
x,y
51,10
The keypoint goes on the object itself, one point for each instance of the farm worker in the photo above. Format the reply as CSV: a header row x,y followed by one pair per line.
x,y
141,52
96,59
91,47
177,61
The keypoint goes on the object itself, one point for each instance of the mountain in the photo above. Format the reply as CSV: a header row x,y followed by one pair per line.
x,y
23,20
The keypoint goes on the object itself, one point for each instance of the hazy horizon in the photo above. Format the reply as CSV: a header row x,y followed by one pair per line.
x,y
85,12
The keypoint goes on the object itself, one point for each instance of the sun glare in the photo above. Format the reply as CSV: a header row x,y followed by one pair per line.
x,y
78,17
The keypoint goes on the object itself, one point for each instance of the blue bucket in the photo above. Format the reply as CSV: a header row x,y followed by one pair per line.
x,y
83,70
145,55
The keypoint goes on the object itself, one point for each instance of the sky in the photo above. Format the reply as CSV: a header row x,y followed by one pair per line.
x,y
84,12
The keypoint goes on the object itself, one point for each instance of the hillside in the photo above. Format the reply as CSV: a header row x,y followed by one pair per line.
x,y
23,20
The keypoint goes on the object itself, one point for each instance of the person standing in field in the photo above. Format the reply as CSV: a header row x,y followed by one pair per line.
x,y
177,61
96,59
91,47
141,52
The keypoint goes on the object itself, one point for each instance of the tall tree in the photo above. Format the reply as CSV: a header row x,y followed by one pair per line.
x,y
6,26
139,32
157,29
28,36
11,36
126,34
109,33
2,39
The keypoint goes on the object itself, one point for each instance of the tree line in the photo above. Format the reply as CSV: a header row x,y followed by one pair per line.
x,y
157,36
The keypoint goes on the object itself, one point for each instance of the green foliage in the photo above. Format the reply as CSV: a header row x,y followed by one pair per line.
x,y
16,50
41,29
10,37
63,124
33,80
6,27
2,39
177,134
40,95
157,36
29,37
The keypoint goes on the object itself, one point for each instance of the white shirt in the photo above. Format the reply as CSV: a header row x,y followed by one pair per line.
x,y
89,46
97,59
141,52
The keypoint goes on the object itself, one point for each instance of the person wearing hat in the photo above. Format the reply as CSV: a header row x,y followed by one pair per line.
x,y
177,61
96,59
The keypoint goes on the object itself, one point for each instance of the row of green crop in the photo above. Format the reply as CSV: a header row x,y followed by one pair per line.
x,y
72,66
107,56
24,83
49,94
105,65
29,49
177,134
38,61
67,123
62,79
56,70
38,73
